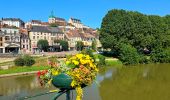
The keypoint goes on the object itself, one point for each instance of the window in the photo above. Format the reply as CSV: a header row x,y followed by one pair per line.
x,y
27,46
33,37
23,41
0,38
1,44
7,38
37,37
23,46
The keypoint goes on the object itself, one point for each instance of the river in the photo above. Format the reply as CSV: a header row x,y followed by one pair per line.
x,y
142,82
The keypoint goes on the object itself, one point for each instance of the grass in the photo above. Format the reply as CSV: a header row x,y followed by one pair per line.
x,y
113,62
23,69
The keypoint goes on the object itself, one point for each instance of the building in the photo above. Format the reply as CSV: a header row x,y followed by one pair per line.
x,y
35,23
10,40
2,39
25,41
15,22
72,37
47,33
59,21
76,22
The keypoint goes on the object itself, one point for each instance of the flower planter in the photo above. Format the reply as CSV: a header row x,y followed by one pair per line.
x,y
62,81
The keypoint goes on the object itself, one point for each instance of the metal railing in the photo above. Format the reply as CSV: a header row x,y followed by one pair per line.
x,y
57,95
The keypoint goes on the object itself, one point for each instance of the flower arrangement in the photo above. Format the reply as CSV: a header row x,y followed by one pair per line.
x,y
81,68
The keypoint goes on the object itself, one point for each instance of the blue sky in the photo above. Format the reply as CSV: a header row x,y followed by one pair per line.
x,y
90,12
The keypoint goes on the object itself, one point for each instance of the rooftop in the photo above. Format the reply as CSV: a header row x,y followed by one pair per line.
x,y
46,29
11,19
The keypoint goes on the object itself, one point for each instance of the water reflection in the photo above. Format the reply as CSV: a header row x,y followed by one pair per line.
x,y
143,82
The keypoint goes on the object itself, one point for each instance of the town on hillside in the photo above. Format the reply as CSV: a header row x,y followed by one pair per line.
x,y
17,36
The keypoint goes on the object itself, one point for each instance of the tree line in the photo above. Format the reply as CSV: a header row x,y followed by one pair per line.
x,y
135,37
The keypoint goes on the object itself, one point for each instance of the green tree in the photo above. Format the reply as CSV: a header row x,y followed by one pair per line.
x,y
42,45
128,54
79,46
53,25
64,45
94,44
141,32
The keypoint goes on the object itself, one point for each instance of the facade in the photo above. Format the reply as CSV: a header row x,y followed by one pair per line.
x,y
56,20
36,23
76,22
2,39
72,37
25,41
15,22
10,40
42,32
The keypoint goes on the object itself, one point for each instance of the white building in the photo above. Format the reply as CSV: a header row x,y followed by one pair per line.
x,y
10,40
46,33
76,22
35,23
13,22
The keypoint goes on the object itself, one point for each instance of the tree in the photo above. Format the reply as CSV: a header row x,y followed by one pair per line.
x,y
94,44
128,54
42,45
79,45
53,25
141,32
64,45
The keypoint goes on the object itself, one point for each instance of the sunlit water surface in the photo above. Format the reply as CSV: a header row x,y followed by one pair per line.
x,y
142,82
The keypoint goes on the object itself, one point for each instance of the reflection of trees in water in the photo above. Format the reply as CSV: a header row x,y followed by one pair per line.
x,y
14,85
130,84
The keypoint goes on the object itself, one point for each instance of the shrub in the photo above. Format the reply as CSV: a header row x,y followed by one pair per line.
x,y
101,60
128,54
28,60
25,60
144,59
163,56
19,61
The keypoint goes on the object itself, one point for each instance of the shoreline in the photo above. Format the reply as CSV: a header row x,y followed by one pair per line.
x,y
17,74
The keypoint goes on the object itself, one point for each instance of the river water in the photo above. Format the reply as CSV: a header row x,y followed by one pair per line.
x,y
142,82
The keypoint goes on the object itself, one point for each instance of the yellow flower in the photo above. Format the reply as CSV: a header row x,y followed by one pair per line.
x,y
79,56
54,72
49,82
88,57
79,91
75,62
82,61
73,83
67,62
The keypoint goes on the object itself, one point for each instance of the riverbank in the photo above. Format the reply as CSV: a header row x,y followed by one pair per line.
x,y
21,70
33,69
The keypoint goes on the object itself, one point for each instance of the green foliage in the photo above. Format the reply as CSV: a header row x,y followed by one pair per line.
x,y
101,60
161,56
94,43
25,60
128,54
53,25
19,61
28,60
79,45
64,45
42,45
141,32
